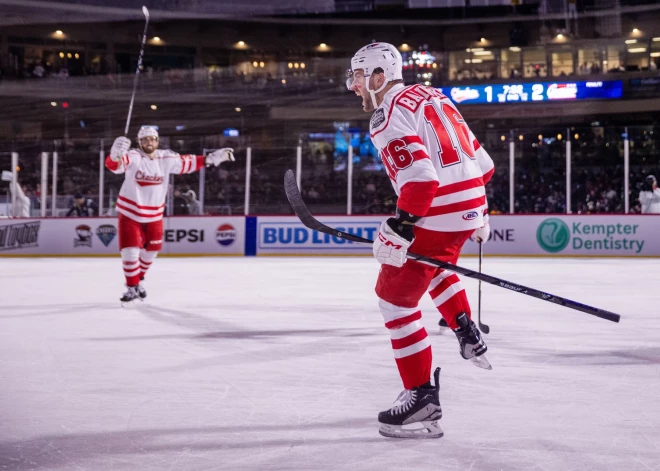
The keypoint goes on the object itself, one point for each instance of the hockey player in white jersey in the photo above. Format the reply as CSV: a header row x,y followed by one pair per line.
x,y
438,170
649,197
141,200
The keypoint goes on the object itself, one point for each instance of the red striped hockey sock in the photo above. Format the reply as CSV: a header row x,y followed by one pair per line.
x,y
449,297
410,343
146,259
130,261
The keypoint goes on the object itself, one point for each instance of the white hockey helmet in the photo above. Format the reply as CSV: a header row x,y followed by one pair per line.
x,y
373,56
376,56
147,131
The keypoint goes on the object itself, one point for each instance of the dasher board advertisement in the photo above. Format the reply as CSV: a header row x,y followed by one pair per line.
x,y
100,236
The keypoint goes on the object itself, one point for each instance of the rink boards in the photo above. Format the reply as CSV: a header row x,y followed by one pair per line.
x,y
533,235
99,236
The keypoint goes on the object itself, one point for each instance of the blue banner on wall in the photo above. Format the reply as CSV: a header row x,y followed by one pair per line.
x,y
534,92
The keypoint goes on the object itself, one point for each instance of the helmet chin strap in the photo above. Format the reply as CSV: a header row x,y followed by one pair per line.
x,y
373,98
372,93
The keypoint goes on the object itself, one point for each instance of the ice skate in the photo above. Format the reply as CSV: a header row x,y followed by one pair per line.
x,y
130,295
141,291
443,327
415,413
471,344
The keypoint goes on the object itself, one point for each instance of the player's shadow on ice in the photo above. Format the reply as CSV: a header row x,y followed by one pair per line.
x,y
81,450
208,328
245,335
270,345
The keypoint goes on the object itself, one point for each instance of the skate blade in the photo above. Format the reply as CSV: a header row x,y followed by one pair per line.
x,y
481,362
443,330
417,430
131,304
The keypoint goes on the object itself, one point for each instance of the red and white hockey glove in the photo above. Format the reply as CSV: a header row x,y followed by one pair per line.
x,y
221,155
120,148
394,238
482,234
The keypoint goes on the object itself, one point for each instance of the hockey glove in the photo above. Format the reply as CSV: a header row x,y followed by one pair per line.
x,y
120,148
482,234
221,155
394,238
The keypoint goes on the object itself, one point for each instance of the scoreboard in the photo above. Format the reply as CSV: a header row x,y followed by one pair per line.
x,y
534,92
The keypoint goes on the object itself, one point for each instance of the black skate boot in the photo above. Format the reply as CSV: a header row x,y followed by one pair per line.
x,y
443,327
141,291
130,295
415,413
472,345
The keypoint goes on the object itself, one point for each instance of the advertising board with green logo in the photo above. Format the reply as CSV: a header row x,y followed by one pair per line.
x,y
593,234
615,235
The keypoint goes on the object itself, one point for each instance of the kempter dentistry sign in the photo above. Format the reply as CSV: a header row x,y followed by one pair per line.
x,y
615,235
554,235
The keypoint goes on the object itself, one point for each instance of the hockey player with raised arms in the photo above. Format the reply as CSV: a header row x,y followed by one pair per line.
x,y
141,200
438,170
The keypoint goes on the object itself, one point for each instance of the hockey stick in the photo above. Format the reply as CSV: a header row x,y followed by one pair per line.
x,y
299,207
482,327
137,70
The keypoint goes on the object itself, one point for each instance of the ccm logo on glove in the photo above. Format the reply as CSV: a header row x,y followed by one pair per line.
x,y
388,243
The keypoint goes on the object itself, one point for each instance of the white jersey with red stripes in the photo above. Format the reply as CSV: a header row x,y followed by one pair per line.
x,y
142,195
436,165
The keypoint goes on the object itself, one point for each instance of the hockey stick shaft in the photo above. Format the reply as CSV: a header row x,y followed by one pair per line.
x,y
483,327
137,70
481,254
301,210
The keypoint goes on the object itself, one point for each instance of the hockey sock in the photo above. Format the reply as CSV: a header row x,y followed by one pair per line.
x,y
130,258
146,259
449,297
410,343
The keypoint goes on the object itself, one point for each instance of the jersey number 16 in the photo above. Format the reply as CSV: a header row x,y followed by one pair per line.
x,y
452,139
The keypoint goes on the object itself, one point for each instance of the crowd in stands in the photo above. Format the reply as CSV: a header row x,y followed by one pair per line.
x,y
595,190
540,183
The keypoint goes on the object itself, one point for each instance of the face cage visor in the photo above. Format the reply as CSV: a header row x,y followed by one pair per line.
x,y
351,79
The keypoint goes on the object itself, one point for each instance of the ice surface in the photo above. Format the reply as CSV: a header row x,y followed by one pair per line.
x,y
283,363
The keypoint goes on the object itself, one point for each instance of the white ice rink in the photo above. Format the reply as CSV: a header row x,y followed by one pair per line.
x,y
284,363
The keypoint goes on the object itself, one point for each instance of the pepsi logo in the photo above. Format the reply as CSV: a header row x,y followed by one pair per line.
x,y
225,234
471,215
